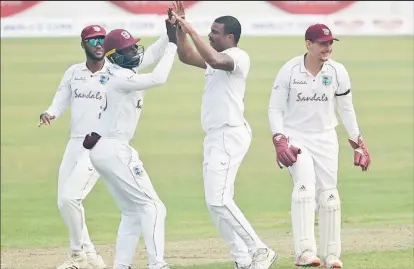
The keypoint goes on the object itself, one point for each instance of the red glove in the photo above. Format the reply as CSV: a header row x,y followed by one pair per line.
x,y
285,155
362,158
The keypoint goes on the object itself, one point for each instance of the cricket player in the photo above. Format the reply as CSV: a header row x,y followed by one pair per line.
x,y
77,176
228,135
112,155
302,118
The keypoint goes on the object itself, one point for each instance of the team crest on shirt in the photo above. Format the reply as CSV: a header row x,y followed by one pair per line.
x,y
103,79
326,80
137,170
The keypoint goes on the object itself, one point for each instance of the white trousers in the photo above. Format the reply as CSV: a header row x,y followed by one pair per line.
x,y
224,151
315,188
76,179
141,208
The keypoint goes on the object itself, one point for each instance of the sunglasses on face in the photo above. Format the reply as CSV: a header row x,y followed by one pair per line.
x,y
93,42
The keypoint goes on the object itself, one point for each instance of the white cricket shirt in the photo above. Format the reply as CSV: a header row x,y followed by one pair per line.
x,y
223,97
121,107
82,91
306,103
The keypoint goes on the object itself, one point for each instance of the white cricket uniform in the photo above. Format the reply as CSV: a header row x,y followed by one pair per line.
x,y
80,90
302,107
227,140
120,165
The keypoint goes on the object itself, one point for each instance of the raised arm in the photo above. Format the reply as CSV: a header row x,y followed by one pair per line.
x,y
213,58
186,52
154,52
142,82
205,53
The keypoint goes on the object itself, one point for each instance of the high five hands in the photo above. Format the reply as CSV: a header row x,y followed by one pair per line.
x,y
178,14
171,26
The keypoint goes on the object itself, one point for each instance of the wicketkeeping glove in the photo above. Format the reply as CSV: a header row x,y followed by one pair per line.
x,y
285,154
362,158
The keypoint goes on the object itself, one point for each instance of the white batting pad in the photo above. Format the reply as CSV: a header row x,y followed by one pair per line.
x,y
303,218
330,223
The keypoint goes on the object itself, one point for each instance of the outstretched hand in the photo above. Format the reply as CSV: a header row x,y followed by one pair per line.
x,y
45,119
171,26
179,9
185,25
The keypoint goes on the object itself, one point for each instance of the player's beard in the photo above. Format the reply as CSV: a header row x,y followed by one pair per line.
x,y
92,56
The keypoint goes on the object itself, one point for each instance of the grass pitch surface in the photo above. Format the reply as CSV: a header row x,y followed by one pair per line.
x,y
377,205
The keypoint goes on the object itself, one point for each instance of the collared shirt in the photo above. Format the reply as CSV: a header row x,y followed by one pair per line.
x,y
80,89
305,102
83,91
121,107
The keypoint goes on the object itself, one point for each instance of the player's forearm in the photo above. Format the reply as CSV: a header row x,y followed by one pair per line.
x,y
209,54
276,120
275,112
154,52
59,104
158,76
184,47
277,104
53,111
348,116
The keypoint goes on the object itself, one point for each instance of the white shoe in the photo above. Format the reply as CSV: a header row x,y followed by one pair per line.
x,y
263,258
332,262
237,266
77,260
308,259
95,261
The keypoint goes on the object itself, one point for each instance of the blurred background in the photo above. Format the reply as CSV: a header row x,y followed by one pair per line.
x,y
278,18
41,39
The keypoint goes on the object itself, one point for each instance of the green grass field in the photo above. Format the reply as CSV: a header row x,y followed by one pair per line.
x,y
377,205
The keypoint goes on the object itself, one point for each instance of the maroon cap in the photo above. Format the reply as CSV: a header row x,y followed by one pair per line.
x,y
319,33
118,39
92,31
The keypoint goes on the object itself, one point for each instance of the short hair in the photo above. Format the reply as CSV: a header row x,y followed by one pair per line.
x,y
231,26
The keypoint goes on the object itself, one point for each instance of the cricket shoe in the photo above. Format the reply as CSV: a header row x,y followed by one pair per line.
x,y
263,258
308,259
95,261
237,266
332,262
77,260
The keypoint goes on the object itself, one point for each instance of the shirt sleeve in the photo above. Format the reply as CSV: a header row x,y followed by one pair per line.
x,y
278,99
154,52
140,82
62,96
345,105
344,82
241,61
